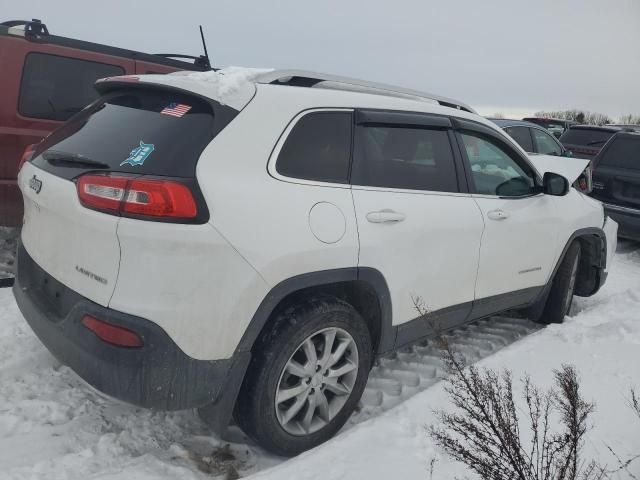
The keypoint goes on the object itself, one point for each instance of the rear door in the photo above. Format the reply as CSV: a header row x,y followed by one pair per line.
x,y
520,237
616,176
416,222
139,131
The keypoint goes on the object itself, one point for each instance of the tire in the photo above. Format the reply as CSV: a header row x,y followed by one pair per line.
x,y
293,333
560,296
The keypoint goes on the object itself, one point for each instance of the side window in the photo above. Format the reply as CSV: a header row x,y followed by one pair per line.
x,y
318,148
55,88
402,157
545,143
521,135
494,170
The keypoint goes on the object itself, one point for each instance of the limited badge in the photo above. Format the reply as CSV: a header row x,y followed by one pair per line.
x,y
139,154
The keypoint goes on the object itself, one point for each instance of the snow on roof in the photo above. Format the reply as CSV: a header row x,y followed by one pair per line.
x,y
228,81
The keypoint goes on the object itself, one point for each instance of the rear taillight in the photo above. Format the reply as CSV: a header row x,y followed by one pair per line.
x,y
137,196
27,154
113,334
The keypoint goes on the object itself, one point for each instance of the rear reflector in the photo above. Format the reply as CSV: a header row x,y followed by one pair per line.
x,y
137,196
113,334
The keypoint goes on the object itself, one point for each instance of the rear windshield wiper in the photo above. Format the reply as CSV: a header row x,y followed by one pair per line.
x,y
62,159
596,142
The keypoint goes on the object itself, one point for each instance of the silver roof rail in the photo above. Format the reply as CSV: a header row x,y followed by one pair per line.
x,y
304,78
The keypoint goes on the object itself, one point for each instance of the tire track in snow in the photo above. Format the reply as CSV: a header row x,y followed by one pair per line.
x,y
414,369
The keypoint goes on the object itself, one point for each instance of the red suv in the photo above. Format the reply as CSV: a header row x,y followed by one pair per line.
x,y
45,80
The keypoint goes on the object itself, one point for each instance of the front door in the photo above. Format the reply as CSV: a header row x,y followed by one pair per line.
x,y
520,232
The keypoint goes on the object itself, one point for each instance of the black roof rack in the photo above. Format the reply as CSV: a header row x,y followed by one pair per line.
x,y
200,60
32,27
36,31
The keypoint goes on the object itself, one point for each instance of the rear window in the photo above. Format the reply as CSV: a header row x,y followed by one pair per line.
x,y
55,88
136,131
624,152
588,137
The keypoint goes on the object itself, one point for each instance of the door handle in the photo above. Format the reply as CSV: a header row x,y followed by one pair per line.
x,y
385,216
497,215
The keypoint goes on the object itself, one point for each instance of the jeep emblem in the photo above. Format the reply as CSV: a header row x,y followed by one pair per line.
x,y
35,184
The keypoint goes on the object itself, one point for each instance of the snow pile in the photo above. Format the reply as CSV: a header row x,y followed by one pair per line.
x,y
228,80
53,426
233,86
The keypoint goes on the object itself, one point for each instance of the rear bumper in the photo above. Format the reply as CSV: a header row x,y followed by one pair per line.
x,y
628,220
157,375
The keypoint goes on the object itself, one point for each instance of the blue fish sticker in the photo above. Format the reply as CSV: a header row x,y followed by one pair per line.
x,y
139,154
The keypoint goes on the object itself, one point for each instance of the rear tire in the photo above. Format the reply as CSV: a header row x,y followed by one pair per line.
x,y
295,344
560,296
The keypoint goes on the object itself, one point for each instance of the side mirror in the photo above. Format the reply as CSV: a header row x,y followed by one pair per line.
x,y
567,153
554,184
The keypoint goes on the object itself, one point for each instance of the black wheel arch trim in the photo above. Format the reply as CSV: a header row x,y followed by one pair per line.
x,y
370,276
582,232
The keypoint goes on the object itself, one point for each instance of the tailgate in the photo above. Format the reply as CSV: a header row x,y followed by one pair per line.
x,y
77,246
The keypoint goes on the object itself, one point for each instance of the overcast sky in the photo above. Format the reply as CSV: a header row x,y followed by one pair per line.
x,y
505,56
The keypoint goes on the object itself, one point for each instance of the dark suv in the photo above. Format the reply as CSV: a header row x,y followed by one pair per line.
x,y
554,125
616,181
45,80
585,141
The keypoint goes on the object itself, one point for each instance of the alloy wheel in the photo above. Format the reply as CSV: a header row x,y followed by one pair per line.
x,y
316,381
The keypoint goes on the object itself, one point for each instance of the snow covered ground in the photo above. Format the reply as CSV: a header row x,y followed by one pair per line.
x,y
8,238
54,426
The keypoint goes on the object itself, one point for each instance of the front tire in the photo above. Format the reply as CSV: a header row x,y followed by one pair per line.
x,y
306,377
560,296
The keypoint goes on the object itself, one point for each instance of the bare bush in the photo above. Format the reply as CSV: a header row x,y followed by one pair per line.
x,y
580,116
484,433
629,119
635,402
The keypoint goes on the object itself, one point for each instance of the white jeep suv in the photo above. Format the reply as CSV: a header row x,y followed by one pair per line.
x,y
248,244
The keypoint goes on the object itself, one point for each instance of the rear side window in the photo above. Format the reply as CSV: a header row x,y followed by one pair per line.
x,y
624,152
153,132
401,157
588,137
522,136
55,88
318,148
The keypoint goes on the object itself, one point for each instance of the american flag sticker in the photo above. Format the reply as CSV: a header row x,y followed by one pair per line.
x,y
176,109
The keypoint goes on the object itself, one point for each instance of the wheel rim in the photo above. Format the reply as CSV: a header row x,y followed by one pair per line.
x,y
571,287
316,381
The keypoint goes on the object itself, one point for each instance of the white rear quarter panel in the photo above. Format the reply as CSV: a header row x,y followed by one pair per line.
x,y
189,281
